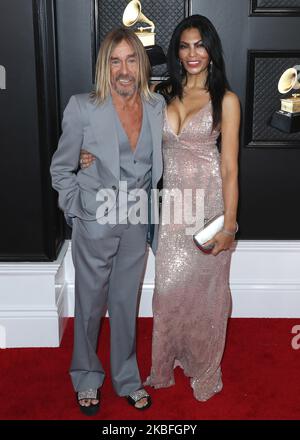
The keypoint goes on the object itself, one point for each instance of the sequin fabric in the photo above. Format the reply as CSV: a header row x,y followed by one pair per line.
x,y
192,300
138,395
88,394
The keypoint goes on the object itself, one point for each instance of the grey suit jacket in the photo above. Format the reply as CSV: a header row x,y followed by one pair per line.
x,y
90,126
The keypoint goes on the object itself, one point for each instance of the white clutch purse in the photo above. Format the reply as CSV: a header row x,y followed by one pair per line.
x,y
210,228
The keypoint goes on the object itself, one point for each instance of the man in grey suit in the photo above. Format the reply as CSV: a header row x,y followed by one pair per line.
x,y
121,125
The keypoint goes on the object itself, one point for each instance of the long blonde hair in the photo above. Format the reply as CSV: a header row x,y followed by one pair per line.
x,y
102,77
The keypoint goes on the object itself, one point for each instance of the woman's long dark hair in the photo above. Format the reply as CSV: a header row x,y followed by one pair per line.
x,y
216,84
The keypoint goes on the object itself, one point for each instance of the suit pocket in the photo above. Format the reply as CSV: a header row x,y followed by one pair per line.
x,y
89,201
99,203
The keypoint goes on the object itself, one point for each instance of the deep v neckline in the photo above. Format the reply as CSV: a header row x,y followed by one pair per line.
x,y
133,150
187,122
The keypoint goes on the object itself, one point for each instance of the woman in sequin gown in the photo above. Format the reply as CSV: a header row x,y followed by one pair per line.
x,y
192,300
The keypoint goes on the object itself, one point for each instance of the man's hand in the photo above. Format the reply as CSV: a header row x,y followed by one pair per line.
x,y
86,159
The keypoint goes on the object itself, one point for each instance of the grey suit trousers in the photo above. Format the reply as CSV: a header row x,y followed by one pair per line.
x,y
109,263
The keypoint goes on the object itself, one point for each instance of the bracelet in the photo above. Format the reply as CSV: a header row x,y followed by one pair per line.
x,y
231,234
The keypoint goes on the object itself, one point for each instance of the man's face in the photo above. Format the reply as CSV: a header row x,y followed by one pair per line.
x,y
124,70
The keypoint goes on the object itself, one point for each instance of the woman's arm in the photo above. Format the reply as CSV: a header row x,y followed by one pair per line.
x,y
230,126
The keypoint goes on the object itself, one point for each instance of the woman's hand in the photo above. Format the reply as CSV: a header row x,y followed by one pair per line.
x,y
221,241
86,159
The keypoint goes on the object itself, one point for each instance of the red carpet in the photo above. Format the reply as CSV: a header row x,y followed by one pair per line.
x,y
261,375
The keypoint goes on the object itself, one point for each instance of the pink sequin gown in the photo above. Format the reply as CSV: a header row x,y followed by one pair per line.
x,y
192,299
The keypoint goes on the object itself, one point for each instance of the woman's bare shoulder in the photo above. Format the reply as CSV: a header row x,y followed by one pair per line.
x,y
231,110
230,99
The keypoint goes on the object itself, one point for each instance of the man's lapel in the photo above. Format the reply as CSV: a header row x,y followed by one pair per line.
x,y
155,117
102,118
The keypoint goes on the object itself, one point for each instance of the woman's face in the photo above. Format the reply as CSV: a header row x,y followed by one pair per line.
x,y
192,54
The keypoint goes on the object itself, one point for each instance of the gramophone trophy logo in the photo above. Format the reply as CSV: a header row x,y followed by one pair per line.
x,y
132,15
287,119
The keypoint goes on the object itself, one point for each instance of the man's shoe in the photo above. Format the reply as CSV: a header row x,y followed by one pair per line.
x,y
92,408
134,397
